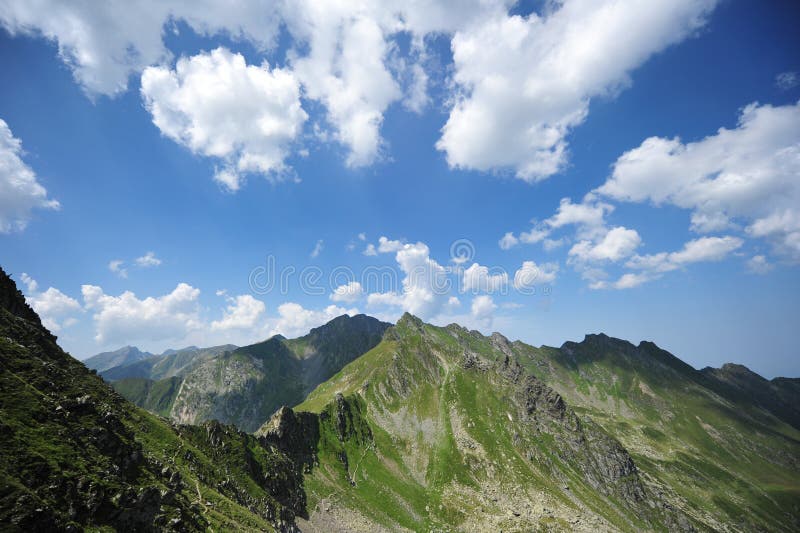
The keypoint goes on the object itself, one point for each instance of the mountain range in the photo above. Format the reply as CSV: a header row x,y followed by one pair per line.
x,y
365,426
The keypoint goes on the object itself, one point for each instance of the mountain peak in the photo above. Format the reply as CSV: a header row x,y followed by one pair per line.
x,y
409,320
13,301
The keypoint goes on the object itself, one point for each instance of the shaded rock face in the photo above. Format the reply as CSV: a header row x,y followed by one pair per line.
x,y
74,454
244,386
602,460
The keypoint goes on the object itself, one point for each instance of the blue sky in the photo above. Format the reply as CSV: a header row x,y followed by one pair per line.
x,y
214,142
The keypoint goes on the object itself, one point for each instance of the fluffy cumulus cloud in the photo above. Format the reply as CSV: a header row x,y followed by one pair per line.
x,y
20,191
295,320
345,54
618,243
148,260
105,43
508,241
745,177
127,319
349,292
218,106
478,278
385,246
653,266
530,274
520,83
242,313
426,284
589,217
56,309
525,82
482,310
346,70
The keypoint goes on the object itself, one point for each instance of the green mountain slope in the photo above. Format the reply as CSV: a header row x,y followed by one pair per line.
x,y
245,386
726,459
75,455
462,437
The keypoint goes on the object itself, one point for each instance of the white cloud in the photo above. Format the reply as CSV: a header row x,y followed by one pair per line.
x,y
20,192
125,319
787,80
426,286
536,234
530,274
482,310
380,299
477,278
117,267
349,292
652,266
242,313
55,308
295,320
218,106
29,282
524,82
629,280
104,43
705,249
362,236
758,264
317,248
345,70
699,250
551,244
387,246
588,216
520,84
619,243
508,241
746,174
148,260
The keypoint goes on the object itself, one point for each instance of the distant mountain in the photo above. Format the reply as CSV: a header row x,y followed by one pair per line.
x,y
169,364
781,396
123,356
171,351
245,386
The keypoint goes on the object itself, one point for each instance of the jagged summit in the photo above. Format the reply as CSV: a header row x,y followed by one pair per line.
x,y
13,301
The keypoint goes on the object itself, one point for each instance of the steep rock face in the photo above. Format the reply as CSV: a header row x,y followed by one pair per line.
x,y
744,384
74,454
245,386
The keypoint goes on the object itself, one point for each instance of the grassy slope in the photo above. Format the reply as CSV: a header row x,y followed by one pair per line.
x,y
445,438
725,462
73,453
